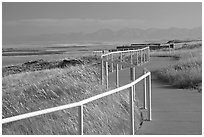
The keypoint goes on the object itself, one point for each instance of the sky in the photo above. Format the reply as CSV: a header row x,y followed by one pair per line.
x,y
44,18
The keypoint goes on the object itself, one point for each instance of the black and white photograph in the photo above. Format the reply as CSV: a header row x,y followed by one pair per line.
x,y
101,68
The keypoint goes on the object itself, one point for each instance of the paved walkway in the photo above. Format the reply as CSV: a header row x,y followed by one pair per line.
x,y
174,111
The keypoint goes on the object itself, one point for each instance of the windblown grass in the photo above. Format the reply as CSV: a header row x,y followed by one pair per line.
x,y
32,91
187,72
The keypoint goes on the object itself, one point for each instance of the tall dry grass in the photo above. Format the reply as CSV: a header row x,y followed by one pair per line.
x,y
187,72
31,91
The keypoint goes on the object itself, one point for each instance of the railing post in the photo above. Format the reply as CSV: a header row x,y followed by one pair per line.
x,y
106,75
134,57
132,73
145,92
148,54
132,127
102,71
132,78
121,59
80,108
131,61
137,57
149,100
144,55
141,56
117,76
111,63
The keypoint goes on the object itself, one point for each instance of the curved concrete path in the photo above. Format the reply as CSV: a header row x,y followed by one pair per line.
x,y
174,111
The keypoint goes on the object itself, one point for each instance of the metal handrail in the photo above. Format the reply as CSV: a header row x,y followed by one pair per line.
x,y
116,52
85,101
144,57
104,58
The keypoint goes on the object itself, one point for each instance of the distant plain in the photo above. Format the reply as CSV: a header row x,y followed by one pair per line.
x,y
21,53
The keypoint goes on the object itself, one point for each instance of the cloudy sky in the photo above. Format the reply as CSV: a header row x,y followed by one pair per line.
x,y
44,18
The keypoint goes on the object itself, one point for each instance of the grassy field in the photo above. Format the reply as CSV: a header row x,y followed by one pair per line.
x,y
30,91
187,72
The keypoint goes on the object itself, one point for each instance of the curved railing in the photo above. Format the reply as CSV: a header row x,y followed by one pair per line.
x,y
144,56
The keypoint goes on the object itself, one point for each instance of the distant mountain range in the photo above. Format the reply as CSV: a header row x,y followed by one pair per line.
x,y
108,35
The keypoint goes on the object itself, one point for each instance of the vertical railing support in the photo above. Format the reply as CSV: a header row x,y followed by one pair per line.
x,y
132,127
117,76
134,57
131,59
145,92
106,74
80,119
144,55
141,57
132,78
121,59
111,63
132,73
148,54
102,71
149,99
137,57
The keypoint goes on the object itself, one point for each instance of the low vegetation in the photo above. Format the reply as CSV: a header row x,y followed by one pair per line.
x,y
30,91
187,72
41,64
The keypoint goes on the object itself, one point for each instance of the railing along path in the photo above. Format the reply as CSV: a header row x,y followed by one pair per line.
x,y
142,56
